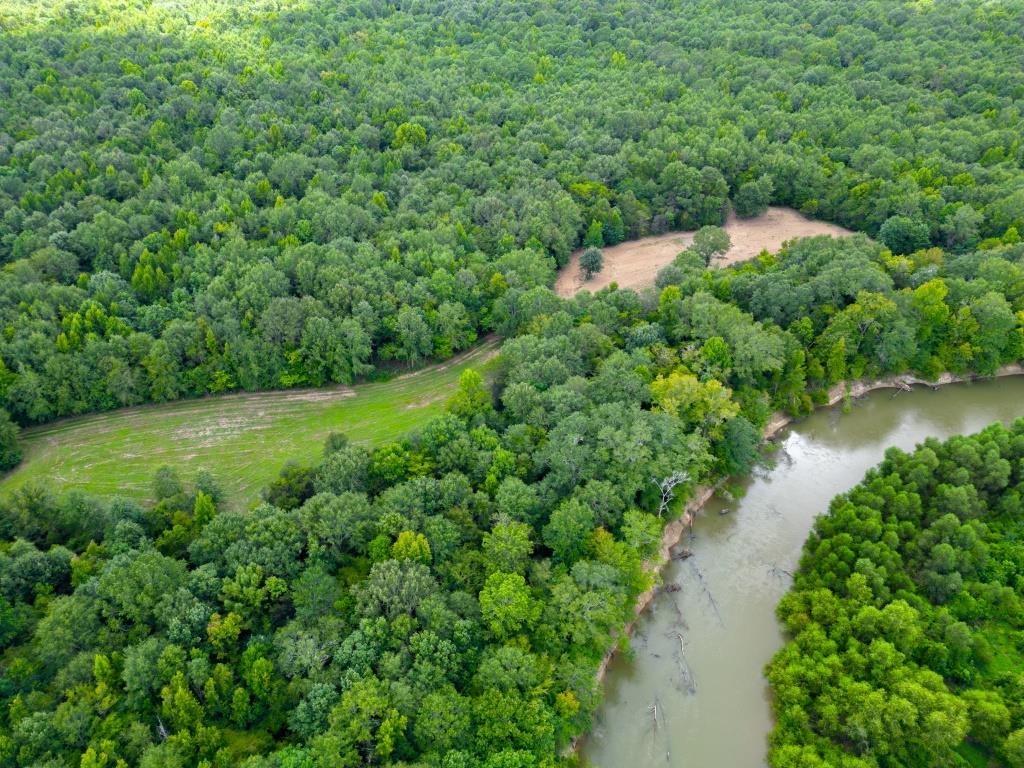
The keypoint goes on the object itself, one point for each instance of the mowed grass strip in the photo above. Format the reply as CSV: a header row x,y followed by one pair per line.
x,y
243,439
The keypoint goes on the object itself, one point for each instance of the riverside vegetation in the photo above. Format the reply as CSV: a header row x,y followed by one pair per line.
x,y
446,599
906,616
199,200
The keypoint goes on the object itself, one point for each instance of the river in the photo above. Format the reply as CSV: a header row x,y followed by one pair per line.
x,y
708,706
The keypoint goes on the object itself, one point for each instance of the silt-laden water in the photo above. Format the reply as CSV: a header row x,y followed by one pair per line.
x,y
694,693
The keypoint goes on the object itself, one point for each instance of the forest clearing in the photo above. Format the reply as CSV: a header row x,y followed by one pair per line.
x,y
635,263
242,439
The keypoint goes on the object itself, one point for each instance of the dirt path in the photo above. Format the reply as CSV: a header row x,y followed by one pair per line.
x,y
634,264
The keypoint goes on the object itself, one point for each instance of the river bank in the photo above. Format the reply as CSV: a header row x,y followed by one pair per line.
x,y
675,530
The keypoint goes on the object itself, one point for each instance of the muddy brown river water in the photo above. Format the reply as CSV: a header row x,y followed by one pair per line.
x,y
708,706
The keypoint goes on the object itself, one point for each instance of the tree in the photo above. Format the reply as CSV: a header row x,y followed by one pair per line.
x,y
134,583
508,547
962,227
1014,749
224,631
472,399
335,441
994,334
343,470
614,230
752,197
990,717
739,446
516,500
591,262
412,134
705,405
835,364
181,709
394,588
566,532
413,334
411,546
642,531
203,510
506,605
713,198
292,486
901,234
442,721
166,483
594,237
10,448
365,728
710,241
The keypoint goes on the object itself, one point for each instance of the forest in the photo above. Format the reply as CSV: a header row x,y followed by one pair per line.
x,y
203,196
445,599
906,614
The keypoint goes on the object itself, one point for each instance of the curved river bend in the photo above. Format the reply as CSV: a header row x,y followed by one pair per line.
x,y
694,693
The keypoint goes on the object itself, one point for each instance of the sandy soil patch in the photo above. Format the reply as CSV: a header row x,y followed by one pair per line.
x,y
635,264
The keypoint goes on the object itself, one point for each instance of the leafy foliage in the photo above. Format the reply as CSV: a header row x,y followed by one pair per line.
x,y
906,614
199,199
591,261
446,598
10,449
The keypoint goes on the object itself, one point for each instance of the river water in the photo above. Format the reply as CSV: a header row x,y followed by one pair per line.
x,y
707,706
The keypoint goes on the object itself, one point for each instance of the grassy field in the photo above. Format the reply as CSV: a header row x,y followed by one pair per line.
x,y
243,439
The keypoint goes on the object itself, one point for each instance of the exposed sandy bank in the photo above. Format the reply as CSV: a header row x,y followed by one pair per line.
x,y
635,264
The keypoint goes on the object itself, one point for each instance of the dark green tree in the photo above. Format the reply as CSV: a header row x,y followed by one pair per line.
x,y
591,262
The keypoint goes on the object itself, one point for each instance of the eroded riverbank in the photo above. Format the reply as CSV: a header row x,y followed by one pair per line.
x,y
880,420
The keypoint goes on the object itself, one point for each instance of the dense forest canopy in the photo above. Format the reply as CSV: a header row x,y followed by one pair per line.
x,y
907,614
445,600
203,196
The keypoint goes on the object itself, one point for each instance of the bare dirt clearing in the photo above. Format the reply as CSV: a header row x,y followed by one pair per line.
x,y
634,264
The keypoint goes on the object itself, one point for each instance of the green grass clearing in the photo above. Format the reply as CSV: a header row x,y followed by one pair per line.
x,y
243,439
